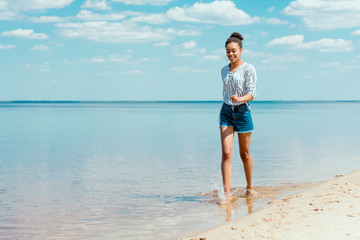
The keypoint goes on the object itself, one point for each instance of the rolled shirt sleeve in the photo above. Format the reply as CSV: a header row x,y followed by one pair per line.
x,y
250,81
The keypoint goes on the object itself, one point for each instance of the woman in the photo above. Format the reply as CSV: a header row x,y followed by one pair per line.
x,y
239,82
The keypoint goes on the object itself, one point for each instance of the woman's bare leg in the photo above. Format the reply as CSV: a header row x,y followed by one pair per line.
x,y
244,146
227,137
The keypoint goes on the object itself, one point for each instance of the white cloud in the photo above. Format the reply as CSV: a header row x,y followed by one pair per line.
x,y
90,16
97,60
96,4
322,45
190,53
4,13
157,18
161,44
189,70
217,12
249,53
183,32
111,32
46,19
328,45
263,33
269,58
45,67
44,70
25,33
271,9
356,33
326,14
125,32
189,45
113,58
7,46
287,40
11,9
117,58
125,58
25,5
211,57
40,47
276,21
145,2
187,49
339,66
133,72
7,15
3,5
221,51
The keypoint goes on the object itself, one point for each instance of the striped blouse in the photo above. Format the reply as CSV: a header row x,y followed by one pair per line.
x,y
240,82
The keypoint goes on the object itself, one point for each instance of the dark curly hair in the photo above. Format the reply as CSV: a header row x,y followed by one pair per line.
x,y
235,37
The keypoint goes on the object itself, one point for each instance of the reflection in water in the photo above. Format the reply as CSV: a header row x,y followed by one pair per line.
x,y
228,212
264,194
232,205
250,204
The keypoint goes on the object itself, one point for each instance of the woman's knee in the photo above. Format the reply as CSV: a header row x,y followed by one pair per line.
x,y
245,155
227,155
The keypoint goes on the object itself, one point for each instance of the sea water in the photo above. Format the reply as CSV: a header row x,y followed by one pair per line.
x,y
151,170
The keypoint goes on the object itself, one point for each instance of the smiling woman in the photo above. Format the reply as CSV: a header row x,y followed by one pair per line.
x,y
239,79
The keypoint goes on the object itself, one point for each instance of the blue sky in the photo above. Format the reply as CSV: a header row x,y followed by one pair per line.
x,y
174,50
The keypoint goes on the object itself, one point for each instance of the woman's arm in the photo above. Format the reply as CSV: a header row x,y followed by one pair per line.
x,y
246,98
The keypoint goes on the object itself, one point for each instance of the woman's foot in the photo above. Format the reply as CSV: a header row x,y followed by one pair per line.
x,y
250,191
226,200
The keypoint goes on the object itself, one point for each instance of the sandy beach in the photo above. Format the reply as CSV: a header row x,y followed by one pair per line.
x,y
329,210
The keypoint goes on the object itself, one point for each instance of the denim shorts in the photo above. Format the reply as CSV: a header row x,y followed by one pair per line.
x,y
238,117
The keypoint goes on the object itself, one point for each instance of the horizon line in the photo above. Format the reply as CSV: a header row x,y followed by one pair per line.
x,y
162,101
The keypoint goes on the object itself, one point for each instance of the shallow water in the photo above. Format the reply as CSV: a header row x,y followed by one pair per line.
x,y
150,170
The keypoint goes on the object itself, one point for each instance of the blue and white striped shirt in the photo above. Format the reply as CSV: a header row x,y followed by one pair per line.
x,y
240,82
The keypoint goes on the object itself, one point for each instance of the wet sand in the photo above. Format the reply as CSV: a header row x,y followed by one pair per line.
x,y
328,210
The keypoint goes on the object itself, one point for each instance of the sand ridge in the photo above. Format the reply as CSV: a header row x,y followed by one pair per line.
x,y
330,210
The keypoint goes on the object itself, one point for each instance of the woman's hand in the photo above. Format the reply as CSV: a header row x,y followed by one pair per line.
x,y
235,99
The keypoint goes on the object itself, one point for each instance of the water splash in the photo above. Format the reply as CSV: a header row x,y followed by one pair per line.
x,y
262,192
